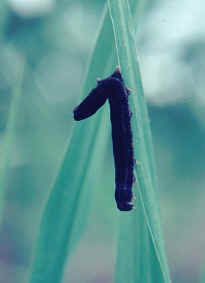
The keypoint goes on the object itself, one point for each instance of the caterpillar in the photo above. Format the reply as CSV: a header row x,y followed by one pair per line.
x,y
113,89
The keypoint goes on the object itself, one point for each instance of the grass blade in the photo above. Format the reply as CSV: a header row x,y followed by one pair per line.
x,y
68,201
141,256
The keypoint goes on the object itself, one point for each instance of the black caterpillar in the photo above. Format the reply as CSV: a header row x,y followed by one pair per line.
x,y
113,89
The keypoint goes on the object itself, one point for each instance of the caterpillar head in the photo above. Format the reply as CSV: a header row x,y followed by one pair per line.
x,y
123,197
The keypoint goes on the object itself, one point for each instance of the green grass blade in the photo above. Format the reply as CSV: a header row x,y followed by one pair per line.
x,y
69,199
141,256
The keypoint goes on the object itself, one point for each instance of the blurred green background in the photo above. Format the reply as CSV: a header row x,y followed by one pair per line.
x,y
52,42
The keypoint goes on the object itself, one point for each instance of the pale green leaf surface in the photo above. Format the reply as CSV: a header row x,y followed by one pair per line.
x,y
68,201
140,237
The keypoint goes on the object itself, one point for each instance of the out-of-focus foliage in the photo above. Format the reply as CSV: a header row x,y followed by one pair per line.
x,y
54,42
